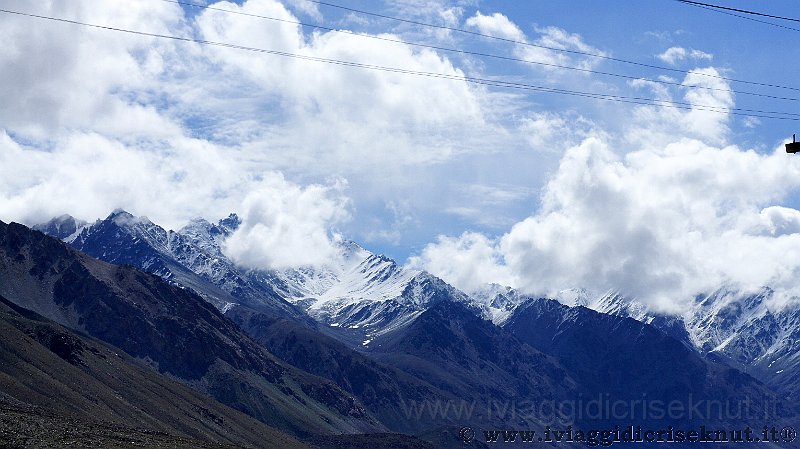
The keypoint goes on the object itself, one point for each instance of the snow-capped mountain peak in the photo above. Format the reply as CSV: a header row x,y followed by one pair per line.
x,y
65,227
730,324
497,301
367,293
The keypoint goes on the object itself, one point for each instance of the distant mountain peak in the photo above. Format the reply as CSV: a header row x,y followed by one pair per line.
x,y
231,222
62,227
119,213
574,297
123,219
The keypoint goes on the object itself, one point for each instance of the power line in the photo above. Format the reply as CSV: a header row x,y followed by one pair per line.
x,y
480,81
744,11
752,19
530,44
479,54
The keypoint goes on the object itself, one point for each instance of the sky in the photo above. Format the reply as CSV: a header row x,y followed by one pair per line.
x,y
533,187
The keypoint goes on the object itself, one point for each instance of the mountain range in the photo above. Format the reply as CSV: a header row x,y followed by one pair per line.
x,y
746,330
366,346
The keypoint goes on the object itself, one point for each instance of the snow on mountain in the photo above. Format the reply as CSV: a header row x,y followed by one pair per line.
x,y
65,227
614,303
364,294
497,302
743,329
191,258
739,328
574,297
368,294
748,331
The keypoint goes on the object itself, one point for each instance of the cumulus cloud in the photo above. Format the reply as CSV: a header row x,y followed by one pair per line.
x,y
468,261
326,106
58,76
496,25
676,214
777,221
284,225
674,55
661,224
94,120
551,132
708,99
553,38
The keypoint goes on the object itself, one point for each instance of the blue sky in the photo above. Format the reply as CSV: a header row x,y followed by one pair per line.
x,y
474,183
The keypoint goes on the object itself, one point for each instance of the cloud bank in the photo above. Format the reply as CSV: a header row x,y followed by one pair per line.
x,y
653,201
680,216
94,120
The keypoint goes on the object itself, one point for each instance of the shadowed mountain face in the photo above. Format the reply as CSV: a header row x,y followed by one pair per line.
x,y
190,258
623,359
58,387
748,330
173,329
61,227
426,361
355,298
487,369
380,388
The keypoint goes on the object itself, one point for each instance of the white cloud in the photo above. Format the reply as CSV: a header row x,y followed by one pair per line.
x,y
674,55
560,39
661,224
58,76
678,215
307,7
709,100
94,120
88,175
496,25
486,205
439,12
777,221
400,217
552,132
326,106
545,48
468,261
284,225
751,122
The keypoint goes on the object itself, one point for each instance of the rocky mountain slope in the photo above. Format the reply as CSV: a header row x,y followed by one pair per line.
x,y
172,329
357,297
748,330
59,387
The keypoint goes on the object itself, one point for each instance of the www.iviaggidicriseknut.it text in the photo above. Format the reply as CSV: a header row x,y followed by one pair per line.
x,y
631,434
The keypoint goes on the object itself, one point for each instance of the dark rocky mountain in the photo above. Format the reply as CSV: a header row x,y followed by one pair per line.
x,y
425,360
381,389
62,227
748,330
60,388
619,358
174,330
487,369
188,258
